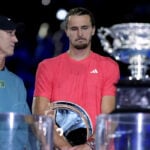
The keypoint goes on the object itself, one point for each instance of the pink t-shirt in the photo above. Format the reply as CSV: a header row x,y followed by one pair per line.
x,y
82,82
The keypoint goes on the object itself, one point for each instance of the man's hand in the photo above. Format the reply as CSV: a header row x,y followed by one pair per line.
x,y
80,147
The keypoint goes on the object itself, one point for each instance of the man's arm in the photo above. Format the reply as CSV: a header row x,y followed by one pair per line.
x,y
39,107
108,104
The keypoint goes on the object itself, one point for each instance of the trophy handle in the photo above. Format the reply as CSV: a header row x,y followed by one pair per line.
x,y
103,34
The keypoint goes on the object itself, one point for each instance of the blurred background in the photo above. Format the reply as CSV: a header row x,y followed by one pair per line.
x,y
43,35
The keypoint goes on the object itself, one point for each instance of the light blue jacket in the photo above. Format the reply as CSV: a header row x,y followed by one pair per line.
x,y
13,97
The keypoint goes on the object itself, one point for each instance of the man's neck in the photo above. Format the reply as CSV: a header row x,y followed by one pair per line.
x,y
78,54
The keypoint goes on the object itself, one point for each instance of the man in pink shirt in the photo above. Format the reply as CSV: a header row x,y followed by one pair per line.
x,y
79,76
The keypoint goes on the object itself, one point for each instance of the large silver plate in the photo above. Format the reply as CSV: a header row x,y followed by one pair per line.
x,y
73,121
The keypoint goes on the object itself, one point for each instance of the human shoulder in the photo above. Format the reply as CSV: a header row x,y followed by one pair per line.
x,y
12,75
13,78
105,60
108,67
53,60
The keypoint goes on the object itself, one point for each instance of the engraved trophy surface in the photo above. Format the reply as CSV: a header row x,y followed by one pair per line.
x,y
72,120
130,44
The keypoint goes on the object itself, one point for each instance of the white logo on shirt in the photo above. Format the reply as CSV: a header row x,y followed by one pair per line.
x,y
95,71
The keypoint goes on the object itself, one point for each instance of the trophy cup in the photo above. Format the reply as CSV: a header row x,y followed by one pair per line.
x,y
25,132
130,44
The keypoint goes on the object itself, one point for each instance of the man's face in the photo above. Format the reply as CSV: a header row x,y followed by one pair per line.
x,y
80,31
7,42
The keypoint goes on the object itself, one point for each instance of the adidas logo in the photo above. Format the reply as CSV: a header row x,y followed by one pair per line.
x,y
94,71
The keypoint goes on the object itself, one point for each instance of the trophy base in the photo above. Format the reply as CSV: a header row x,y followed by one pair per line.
x,y
133,96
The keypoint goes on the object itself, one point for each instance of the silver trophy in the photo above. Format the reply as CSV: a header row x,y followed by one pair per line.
x,y
73,122
130,44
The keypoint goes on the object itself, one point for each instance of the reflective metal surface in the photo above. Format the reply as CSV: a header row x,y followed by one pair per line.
x,y
128,131
73,122
129,43
25,132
